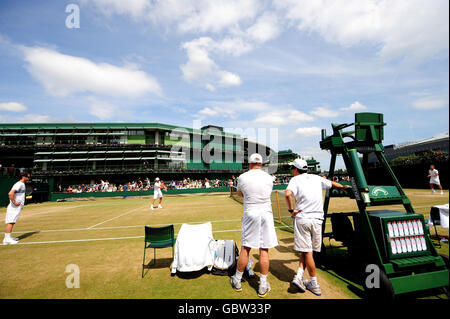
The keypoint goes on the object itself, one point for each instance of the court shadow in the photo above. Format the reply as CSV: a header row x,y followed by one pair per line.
x,y
278,269
192,274
157,264
289,240
23,236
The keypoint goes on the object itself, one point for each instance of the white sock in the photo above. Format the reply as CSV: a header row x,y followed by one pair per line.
x,y
314,281
300,272
238,275
263,279
7,235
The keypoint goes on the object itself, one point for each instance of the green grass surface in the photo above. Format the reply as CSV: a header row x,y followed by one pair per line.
x,y
105,239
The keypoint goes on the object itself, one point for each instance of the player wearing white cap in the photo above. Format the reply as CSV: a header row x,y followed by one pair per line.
x,y
433,174
308,219
157,193
258,229
16,201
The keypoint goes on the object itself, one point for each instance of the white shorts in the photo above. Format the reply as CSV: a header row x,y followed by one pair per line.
x,y
307,234
157,194
435,181
12,213
258,230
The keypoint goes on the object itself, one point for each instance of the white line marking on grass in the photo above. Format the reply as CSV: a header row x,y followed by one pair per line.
x,y
120,227
129,212
111,238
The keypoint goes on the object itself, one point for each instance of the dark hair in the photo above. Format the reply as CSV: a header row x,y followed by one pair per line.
x,y
24,174
301,171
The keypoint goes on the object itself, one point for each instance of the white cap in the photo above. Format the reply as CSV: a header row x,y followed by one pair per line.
x,y
255,159
157,179
300,164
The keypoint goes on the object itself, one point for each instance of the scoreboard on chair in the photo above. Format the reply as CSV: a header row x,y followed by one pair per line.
x,y
399,234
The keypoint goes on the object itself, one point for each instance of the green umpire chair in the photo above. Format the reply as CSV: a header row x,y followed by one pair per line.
x,y
158,237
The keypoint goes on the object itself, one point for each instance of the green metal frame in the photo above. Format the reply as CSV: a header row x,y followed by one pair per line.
x,y
409,273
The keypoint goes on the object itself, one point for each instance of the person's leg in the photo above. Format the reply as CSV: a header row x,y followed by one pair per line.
x,y
432,188
264,261
310,264
242,263
243,259
9,228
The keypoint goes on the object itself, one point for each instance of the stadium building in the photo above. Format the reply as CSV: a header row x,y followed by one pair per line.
x,y
59,155
437,143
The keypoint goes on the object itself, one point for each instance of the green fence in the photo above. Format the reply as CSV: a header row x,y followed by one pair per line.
x,y
56,196
6,183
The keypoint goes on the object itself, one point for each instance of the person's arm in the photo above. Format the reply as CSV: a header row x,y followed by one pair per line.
x,y
11,197
288,196
337,185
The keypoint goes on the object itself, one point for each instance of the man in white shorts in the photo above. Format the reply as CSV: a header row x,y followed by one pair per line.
x,y
433,174
157,193
16,202
308,219
258,229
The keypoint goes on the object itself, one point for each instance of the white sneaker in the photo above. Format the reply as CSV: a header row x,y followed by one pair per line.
x,y
10,241
159,206
263,290
15,238
315,289
235,284
298,283
432,191
151,207
442,193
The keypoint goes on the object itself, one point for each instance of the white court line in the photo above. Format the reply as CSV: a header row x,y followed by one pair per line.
x,y
119,227
105,239
129,212
137,226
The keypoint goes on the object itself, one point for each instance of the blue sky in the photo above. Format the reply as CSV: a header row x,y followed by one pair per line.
x,y
292,65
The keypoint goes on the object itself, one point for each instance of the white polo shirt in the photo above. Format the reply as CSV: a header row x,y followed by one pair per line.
x,y
256,185
307,190
19,195
434,179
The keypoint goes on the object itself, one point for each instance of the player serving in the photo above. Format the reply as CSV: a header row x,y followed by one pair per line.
x,y
433,175
16,201
157,187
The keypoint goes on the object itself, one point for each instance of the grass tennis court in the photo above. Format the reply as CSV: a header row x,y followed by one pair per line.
x,y
105,239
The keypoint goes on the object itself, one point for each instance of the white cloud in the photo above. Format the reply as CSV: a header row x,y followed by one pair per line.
x,y
133,8
36,118
430,103
415,29
283,117
12,107
215,16
201,69
102,110
229,79
324,112
62,75
308,131
265,28
355,106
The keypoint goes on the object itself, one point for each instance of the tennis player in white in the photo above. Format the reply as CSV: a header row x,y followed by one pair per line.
x,y
157,193
16,201
308,219
433,174
258,229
